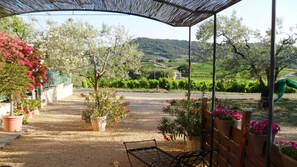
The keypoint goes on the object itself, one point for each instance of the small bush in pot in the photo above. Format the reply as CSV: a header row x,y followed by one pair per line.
x,y
104,102
185,120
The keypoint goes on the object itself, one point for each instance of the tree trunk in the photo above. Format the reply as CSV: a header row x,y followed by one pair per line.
x,y
95,83
95,76
11,105
262,84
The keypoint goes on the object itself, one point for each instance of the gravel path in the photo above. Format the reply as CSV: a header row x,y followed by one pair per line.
x,y
60,138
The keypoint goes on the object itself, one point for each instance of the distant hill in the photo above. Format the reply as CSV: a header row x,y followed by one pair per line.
x,y
166,48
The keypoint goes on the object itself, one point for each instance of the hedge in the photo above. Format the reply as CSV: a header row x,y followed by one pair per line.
x,y
168,84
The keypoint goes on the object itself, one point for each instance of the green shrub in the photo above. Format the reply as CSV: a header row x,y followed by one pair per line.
x,y
153,83
182,84
86,83
118,84
133,84
164,83
143,83
174,84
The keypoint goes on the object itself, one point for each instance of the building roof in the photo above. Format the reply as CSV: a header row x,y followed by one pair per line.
x,y
172,12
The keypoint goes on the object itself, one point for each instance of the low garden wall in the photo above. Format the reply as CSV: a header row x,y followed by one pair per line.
x,y
48,95
55,93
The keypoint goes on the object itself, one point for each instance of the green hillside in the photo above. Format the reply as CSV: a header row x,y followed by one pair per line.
x,y
166,48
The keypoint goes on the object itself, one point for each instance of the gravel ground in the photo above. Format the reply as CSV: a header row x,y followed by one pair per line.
x,y
60,138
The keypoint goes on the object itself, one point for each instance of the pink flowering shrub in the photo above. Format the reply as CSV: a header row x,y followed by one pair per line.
x,y
14,50
184,120
226,114
288,148
261,127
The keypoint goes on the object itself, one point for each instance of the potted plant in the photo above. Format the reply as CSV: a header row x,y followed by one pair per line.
x,y
258,134
103,105
20,71
225,119
25,105
35,105
13,84
288,150
31,106
184,121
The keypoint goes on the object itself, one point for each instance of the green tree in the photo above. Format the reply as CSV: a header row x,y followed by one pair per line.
x,y
78,48
183,69
15,26
14,81
237,54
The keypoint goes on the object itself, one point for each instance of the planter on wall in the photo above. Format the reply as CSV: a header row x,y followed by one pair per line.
x,y
12,123
259,142
288,161
224,126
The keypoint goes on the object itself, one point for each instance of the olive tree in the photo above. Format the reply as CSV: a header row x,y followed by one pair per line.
x,y
16,26
76,47
244,51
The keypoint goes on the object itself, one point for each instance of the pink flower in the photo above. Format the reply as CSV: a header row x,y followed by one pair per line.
x,y
261,127
288,143
226,114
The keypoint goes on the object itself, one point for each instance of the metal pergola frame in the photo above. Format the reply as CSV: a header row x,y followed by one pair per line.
x,y
176,13
271,86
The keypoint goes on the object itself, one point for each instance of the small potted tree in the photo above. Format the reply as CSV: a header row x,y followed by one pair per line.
x,y
184,121
13,84
21,70
103,105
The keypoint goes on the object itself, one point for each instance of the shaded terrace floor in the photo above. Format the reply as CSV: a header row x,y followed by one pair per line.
x,y
59,137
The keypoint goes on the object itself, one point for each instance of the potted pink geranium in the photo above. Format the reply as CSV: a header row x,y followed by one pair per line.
x,y
258,134
225,119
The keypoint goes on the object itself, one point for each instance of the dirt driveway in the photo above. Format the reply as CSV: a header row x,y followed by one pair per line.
x,y
60,138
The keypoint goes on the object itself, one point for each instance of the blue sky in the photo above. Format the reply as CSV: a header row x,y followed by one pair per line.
x,y
256,14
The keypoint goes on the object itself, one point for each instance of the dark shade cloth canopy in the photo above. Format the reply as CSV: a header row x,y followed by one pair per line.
x,y
172,12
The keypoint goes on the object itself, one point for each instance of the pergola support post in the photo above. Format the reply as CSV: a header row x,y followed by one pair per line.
x,y
271,86
189,66
213,86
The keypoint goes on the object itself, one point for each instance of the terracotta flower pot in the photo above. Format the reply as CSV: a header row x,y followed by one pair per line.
x,y
194,144
12,123
36,111
224,126
98,123
29,114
